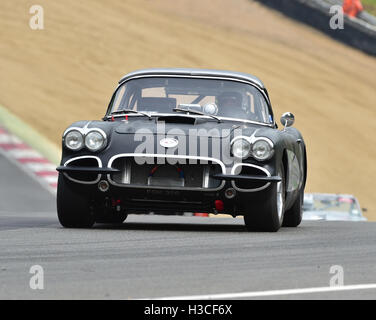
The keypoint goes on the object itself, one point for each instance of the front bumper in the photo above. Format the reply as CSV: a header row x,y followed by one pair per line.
x,y
143,196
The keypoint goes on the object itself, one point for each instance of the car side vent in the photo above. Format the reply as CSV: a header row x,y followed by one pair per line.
x,y
250,185
86,177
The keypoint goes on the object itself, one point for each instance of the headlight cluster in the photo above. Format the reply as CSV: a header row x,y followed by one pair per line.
x,y
261,148
74,140
241,148
94,140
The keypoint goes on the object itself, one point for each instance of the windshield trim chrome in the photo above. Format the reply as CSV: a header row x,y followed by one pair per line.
x,y
154,114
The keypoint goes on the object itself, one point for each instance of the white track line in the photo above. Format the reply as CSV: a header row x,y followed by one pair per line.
x,y
270,293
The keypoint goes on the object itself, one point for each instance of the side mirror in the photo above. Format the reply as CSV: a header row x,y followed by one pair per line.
x,y
287,119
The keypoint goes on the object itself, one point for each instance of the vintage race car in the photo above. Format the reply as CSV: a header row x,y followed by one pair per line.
x,y
184,140
332,207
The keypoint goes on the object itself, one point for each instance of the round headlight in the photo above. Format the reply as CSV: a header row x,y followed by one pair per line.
x,y
241,148
262,150
94,141
74,140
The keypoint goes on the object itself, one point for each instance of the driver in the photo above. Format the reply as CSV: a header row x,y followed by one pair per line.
x,y
229,104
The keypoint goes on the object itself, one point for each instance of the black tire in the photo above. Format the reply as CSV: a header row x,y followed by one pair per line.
x,y
265,216
73,208
293,216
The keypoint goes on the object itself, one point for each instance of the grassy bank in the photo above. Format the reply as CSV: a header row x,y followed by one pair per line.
x,y
370,6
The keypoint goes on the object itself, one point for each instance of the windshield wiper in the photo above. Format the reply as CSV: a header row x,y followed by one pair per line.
x,y
196,112
125,111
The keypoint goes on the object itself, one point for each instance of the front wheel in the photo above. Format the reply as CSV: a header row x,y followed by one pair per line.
x,y
293,217
73,208
268,215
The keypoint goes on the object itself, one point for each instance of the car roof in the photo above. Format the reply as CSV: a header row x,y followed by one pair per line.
x,y
194,72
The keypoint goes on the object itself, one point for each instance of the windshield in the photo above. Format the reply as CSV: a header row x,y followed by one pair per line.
x,y
330,203
221,98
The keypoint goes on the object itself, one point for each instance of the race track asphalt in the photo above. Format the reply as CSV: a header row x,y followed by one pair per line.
x,y
168,256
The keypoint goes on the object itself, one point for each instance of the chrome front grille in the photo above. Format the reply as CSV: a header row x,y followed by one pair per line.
x,y
167,175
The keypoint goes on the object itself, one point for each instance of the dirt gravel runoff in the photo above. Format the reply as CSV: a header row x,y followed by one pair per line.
x,y
68,70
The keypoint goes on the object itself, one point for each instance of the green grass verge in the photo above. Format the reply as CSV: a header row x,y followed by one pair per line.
x,y
370,6
29,136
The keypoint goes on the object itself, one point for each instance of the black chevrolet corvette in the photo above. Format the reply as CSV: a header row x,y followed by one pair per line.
x,y
184,140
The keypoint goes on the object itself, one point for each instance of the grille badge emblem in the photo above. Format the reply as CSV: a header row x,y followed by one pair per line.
x,y
169,142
